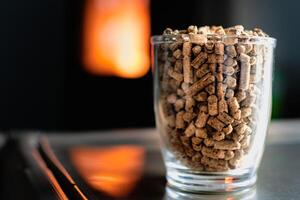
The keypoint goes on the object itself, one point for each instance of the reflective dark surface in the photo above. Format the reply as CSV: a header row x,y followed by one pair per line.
x,y
278,176
125,165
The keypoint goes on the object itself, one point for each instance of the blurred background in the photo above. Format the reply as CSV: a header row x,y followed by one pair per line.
x,y
78,65
85,65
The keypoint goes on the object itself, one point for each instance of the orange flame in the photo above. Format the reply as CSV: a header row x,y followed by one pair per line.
x,y
113,170
116,35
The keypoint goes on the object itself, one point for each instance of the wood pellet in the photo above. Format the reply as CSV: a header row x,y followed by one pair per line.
x,y
210,88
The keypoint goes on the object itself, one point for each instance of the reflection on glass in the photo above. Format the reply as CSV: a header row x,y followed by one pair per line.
x,y
173,194
114,170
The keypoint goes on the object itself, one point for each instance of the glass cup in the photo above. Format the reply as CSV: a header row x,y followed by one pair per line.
x,y
212,97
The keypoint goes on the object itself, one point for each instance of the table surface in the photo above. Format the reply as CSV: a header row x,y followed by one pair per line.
x,y
278,175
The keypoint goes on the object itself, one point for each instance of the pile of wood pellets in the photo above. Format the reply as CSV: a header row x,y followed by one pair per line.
x,y
210,81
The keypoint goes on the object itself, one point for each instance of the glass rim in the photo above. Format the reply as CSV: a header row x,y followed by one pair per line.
x,y
160,39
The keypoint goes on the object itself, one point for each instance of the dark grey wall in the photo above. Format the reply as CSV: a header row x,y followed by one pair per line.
x,y
32,53
281,20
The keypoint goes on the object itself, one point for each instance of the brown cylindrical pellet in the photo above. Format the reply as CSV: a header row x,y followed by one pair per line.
x,y
218,136
179,104
212,105
179,120
230,51
178,66
190,130
240,95
229,93
220,91
187,71
246,112
210,89
196,140
199,60
201,133
201,84
230,82
201,120
244,76
212,153
227,145
233,104
209,142
186,49
189,103
177,54
215,123
229,155
224,117
228,129
196,49
219,48
223,107
230,62
188,116
202,96
203,70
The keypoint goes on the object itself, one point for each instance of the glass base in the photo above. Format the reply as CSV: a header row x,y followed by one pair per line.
x,y
173,194
197,182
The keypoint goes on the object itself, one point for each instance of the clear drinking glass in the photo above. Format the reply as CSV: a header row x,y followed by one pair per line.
x,y
212,99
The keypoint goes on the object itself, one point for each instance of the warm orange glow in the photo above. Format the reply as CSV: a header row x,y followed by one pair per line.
x,y
116,37
50,176
112,170
229,179
46,147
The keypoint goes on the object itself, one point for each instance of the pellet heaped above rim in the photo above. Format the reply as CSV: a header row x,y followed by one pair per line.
x,y
160,39
203,34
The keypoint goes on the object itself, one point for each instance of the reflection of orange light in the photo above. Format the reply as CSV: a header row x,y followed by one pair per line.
x,y
116,35
60,193
228,179
113,170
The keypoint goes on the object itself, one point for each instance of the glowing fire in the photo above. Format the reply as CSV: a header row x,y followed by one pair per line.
x,y
116,35
112,170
